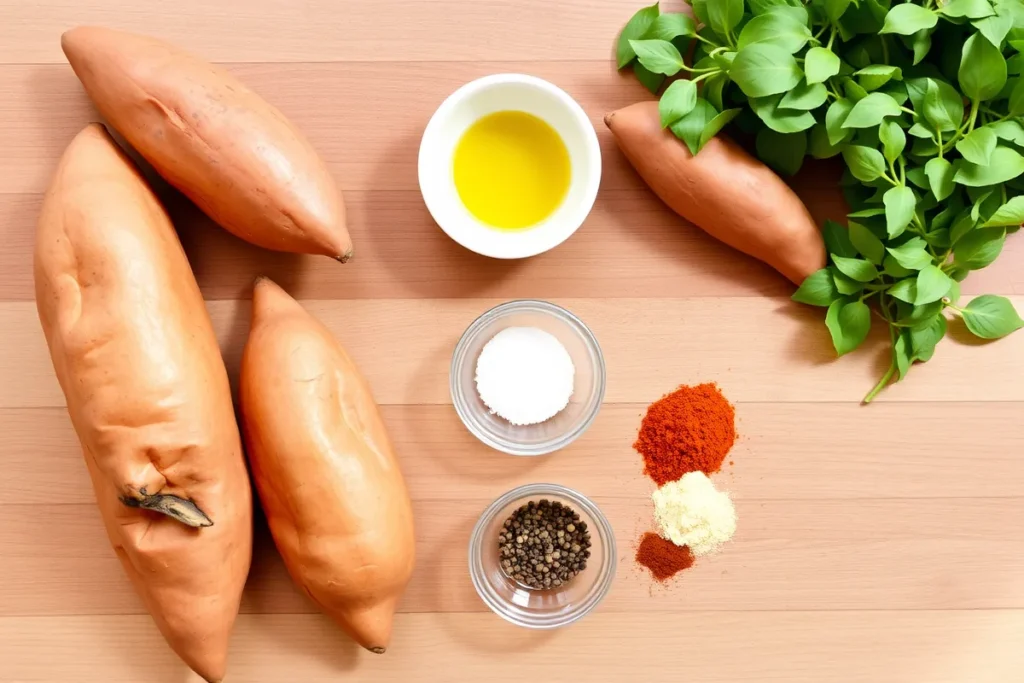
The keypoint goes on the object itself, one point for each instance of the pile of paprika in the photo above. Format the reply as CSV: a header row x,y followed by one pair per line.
x,y
663,558
690,429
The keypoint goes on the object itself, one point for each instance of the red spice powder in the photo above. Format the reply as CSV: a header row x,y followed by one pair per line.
x,y
663,558
690,429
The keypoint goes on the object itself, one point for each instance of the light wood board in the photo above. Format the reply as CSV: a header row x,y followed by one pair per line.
x,y
875,544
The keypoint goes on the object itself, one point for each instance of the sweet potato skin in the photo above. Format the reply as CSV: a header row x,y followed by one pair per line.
x,y
723,190
147,393
324,467
232,153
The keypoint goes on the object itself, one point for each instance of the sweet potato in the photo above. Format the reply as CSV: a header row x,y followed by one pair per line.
x,y
237,157
148,395
723,190
327,476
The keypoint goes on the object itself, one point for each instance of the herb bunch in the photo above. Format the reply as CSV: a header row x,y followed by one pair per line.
x,y
923,99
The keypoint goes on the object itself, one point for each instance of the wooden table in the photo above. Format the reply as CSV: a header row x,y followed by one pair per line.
x,y
877,544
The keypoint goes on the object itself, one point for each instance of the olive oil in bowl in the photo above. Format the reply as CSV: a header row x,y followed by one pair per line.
x,y
512,170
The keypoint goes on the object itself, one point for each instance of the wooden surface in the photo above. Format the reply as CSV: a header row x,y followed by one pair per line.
x,y
875,544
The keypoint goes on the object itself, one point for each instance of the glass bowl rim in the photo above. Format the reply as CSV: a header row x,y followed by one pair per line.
x,y
607,567
461,402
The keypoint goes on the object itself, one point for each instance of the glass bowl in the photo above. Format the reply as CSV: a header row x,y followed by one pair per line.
x,y
545,609
588,383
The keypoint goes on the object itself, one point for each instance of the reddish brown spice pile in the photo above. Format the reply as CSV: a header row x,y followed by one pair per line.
x,y
663,558
690,429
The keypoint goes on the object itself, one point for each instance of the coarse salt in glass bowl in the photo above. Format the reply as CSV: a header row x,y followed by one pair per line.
x,y
588,381
541,609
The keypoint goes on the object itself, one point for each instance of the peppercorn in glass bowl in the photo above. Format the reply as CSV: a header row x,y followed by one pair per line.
x,y
550,607
588,380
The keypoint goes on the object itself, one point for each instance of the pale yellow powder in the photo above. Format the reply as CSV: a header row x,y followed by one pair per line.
x,y
692,512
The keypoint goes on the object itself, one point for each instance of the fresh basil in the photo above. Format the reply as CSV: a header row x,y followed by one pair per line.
x,y
991,317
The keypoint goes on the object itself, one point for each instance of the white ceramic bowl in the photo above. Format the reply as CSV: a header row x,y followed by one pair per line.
x,y
469,104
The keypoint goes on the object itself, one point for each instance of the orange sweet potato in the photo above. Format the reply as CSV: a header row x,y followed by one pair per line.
x,y
148,395
237,157
327,476
723,190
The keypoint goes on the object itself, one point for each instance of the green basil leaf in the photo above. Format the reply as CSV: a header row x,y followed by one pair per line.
x,y
908,19
972,9
635,29
658,56
893,139
901,352
690,128
924,339
978,145
932,285
765,6
982,69
819,146
784,152
866,164
805,97
835,9
820,64
849,324
724,15
892,267
1009,214
991,317
835,117
679,100
714,89
867,213
995,28
817,290
761,70
912,255
1011,130
700,10
855,268
961,227
979,248
1006,164
720,121
942,105
854,91
904,290
845,285
869,246
780,120
875,76
670,26
940,177
837,240
920,131
900,203
922,45
649,79
781,29
1017,99
871,111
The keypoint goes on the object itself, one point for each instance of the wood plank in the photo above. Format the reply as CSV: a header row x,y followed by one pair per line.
x,y
653,253
785,452
795,647
758,349
322,30
910,554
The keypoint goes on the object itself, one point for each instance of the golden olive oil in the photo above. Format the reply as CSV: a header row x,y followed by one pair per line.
x,y
512,170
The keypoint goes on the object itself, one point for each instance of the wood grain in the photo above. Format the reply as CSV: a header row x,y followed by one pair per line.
x,y
794,647
875,545
757,349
